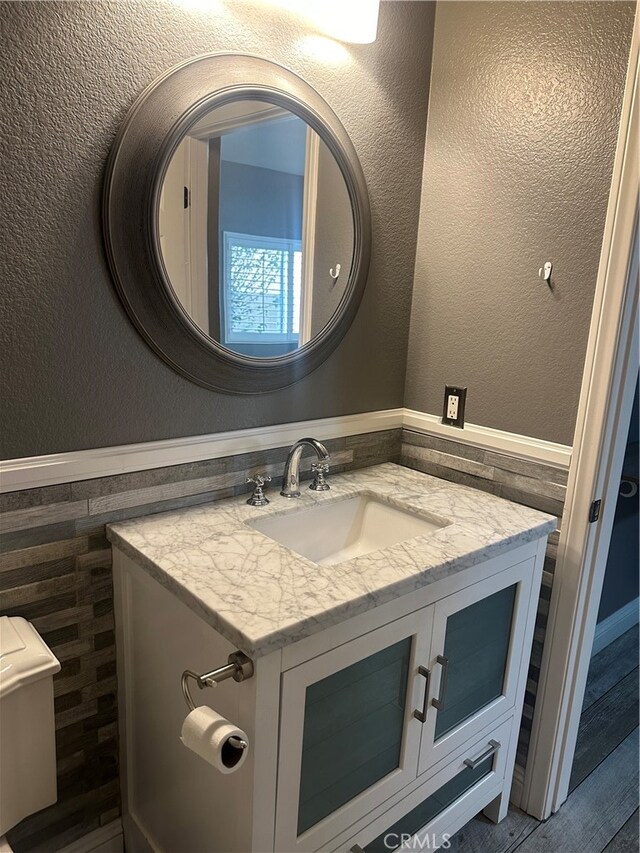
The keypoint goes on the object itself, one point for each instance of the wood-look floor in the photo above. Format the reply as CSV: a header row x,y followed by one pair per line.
x,y
601,813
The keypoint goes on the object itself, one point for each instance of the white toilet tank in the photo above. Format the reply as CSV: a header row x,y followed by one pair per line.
x,y
27,729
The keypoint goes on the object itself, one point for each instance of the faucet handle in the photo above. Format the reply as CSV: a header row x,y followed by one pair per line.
x,y
258,497
259,480
319,483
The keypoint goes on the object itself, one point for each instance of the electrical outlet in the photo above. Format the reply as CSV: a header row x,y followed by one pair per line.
x,y
453,408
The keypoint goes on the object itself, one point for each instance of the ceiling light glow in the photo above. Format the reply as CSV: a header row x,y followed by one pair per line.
x,y
200,7
346,20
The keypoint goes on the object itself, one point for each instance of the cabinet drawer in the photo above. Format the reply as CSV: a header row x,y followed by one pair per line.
x,y
443,804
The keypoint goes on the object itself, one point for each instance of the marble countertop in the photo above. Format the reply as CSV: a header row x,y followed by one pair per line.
x,y
262,596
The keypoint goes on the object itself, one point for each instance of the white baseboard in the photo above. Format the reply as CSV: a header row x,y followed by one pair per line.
x,y
107,839
615,626
136,839
35,471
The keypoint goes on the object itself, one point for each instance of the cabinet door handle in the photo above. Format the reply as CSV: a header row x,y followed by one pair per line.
x,y
422,715
444,663
494,746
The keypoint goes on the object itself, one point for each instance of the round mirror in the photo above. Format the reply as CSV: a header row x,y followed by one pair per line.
x,y
236,223
255,228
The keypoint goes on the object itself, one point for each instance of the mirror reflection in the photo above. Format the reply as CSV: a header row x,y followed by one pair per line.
x,y
255,229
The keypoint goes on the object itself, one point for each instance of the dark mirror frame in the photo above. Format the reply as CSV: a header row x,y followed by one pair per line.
x,y
147,140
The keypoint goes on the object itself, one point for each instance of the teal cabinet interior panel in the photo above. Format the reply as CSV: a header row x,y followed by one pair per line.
x,y
353,730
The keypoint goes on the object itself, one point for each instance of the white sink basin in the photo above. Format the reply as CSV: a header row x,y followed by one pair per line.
x,y
338,531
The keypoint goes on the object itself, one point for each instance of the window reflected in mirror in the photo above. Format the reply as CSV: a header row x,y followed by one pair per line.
x,y
255,222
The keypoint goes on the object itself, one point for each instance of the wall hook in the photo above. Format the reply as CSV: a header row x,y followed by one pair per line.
x,y
545,272
335,273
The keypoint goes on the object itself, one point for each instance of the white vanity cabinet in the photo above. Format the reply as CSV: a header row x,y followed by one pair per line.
x,y
367,719
399,722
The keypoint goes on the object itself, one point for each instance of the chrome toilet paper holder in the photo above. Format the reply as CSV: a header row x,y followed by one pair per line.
x,y
238,666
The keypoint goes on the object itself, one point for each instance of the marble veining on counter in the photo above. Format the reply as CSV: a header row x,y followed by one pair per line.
x,y
262,596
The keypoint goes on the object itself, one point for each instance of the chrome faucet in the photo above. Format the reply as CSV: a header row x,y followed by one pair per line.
x,y
291,476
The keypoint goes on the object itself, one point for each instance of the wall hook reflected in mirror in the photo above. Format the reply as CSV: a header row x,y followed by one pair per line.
x,y
334,273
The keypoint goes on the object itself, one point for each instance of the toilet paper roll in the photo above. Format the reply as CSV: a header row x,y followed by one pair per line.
x,y
215,739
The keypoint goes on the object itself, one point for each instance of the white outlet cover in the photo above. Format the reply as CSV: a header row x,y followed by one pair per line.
x,y
452,406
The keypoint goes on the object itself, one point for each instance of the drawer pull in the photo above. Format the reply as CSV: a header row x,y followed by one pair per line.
x,y
444,663
494,746
422,715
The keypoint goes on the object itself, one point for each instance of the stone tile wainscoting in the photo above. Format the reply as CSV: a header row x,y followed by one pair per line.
x,y
55,570
531,483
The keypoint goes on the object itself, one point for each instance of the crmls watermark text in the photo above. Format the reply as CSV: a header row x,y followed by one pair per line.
x,y
393,840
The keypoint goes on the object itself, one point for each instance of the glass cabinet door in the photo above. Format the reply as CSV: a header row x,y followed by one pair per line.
x,y
349,738
476,645
353,728
475,659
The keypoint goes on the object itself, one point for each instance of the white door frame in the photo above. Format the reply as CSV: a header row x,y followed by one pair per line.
x,y
198,183
601,432
309,214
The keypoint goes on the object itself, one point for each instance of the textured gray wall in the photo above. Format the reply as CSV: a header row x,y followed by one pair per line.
x,y
523,117
75,372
